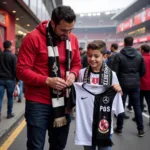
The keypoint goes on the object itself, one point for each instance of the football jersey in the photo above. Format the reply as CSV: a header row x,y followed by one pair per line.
x,y
94,103
94,77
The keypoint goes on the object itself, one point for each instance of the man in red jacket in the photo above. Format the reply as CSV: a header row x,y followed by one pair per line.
x,y
145,80
48,63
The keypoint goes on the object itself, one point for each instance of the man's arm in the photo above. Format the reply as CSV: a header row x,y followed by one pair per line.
x,y
115,65
14,67
25,63
142,68
76,60
75,65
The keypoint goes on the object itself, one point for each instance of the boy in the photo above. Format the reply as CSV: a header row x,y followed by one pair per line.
x,y
94,100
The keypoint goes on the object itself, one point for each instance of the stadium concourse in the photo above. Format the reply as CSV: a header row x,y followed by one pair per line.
x,y
110,27
127,141
113,26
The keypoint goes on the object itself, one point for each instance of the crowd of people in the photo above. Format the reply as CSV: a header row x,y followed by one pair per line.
x,y
49,64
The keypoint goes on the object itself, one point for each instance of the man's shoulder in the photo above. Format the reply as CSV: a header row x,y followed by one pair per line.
x,y
117,55
12,55
33,34
73,36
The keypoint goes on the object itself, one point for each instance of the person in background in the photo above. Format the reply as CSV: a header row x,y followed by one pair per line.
x,y
114,51
130,67
48,64
20,83
8,78
83,56
84,61
81,52
107,55
145,80
20,96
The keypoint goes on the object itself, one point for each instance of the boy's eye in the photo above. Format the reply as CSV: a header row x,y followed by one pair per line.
x,y
96,56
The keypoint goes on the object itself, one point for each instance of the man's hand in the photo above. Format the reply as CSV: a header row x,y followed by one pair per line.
x,y
59,122
117,88
56,83
70,79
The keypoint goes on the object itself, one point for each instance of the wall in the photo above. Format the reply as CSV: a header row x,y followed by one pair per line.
x,y
9,26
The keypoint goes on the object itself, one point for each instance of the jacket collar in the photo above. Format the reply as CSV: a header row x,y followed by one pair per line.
x,y
6,50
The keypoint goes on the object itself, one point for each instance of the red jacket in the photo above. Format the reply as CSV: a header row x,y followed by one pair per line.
x,y
145,80
32,66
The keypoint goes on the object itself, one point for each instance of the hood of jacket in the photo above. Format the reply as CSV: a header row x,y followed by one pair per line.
x,y
129,52
42,27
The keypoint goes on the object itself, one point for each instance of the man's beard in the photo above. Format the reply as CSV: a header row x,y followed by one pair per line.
x,y
60,37
63,38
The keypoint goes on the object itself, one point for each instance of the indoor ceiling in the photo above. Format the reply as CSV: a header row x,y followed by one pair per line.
x,y
24,16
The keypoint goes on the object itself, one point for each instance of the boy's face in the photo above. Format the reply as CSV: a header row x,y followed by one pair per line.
x,y
95,59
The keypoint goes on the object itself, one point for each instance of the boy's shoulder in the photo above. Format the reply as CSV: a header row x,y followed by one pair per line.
x,y
82,70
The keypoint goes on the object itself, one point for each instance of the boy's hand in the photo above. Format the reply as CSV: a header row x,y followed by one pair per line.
x,y
117,88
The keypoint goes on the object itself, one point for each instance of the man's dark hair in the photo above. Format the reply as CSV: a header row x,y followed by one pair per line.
x,y
115,46
80,48
128,41
65,13
7,44
145,48
97,44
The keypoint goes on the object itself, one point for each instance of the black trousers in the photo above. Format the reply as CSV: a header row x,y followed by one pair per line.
x,y
146,95
134,96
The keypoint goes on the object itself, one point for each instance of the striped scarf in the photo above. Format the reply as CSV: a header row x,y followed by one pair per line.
x,y
58,99
105,75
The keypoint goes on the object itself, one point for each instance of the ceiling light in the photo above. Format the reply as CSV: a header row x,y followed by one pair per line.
x,y
81,15
89,14
4,2
14,11
107,13
20,32
17,18
28,25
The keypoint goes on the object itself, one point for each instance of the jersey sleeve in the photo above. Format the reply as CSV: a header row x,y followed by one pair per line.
x,y
117,106
114,78
81,74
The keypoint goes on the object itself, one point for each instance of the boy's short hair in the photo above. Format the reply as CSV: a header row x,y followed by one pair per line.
x,y
7,44
145,48
97,45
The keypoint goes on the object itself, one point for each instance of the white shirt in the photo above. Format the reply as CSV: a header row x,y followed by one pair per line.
x,y
85,108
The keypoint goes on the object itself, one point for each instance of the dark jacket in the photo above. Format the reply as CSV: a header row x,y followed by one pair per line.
x,y
84,61
129,66
110,60
7,65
